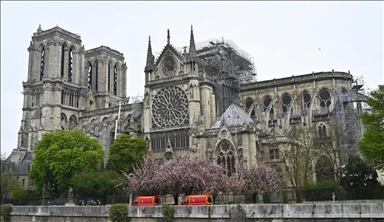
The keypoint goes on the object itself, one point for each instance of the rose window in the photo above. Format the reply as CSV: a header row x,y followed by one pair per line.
x,y
170,107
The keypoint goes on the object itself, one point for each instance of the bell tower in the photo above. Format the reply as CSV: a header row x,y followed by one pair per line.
x,y
54,90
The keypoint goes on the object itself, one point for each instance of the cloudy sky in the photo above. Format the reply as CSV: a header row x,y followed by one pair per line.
x,y
284,38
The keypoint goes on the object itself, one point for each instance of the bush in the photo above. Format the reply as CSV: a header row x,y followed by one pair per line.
x,y
118,213
6,212
168,213
321,190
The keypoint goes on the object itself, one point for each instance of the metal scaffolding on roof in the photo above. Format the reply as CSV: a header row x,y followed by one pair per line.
x,y
228,67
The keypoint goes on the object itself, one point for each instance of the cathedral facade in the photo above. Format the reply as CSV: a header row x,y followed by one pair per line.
x,y
203,101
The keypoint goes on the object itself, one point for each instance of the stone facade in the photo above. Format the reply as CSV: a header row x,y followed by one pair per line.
x,y
186,108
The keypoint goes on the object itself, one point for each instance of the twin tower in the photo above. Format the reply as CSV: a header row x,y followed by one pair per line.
x,y
64,81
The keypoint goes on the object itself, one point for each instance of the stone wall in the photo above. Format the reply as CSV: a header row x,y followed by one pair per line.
x,y
246,212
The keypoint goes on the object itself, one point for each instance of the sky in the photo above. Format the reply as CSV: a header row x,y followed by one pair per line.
x,y
284,38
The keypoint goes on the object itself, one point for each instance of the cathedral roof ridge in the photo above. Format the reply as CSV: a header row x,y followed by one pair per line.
x,y
106,48
41,32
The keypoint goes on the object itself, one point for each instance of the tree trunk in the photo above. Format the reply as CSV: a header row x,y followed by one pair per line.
x,y
176,199
254,198
298,195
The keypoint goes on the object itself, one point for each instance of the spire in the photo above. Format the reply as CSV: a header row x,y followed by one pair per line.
x,y
150,60
39,29
168,37
192,46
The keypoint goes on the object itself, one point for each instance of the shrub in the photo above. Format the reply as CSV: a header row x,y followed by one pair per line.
x,y
168,213
321,190
118,213
6,212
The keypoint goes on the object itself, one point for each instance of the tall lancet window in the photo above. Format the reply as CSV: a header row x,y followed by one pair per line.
x,y
96,75
115,80
62,60
109,77
90,76
42,63
70,65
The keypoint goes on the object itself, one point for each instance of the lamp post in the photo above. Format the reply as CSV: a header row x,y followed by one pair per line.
x,y
43,193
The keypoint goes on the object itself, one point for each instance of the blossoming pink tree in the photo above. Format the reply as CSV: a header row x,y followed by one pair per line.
x,y
180,175
262,179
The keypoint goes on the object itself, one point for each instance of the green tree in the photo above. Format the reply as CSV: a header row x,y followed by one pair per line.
x,y
61,155
126,152
360,179
372,146
97,183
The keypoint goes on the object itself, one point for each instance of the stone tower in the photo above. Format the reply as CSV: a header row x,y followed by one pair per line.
x,y
54,85
64,81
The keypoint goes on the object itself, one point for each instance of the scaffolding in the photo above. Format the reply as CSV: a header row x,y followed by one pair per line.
x,y
228,67
346,114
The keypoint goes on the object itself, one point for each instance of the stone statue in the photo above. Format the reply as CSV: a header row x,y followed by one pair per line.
x,y
70,192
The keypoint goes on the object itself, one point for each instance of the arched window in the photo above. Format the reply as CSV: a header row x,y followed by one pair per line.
x,y
90,76
96,75
325,98
267,101
62,96
305,100
70,65
109,77
62,60
248,105
226,157
42,56
115,80
344,95
72,122
286,101
324,169
322,131
63,123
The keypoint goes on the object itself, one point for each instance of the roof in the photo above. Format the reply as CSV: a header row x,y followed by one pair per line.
x,y
233,116
21,161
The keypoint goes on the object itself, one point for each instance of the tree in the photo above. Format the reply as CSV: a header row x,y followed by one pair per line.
x,y
298,157
97,183
360,178
372,146
260,180
186,175
143,180
61,155
6,177
126,152
180,175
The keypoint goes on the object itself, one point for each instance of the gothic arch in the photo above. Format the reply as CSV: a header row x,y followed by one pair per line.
x,y
72,122
286,101
324,97
305,99
116,73
324,169
225,153
63,121
42,59
74,48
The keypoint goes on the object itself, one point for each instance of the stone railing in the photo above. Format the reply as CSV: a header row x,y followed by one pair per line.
x,y
283,212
